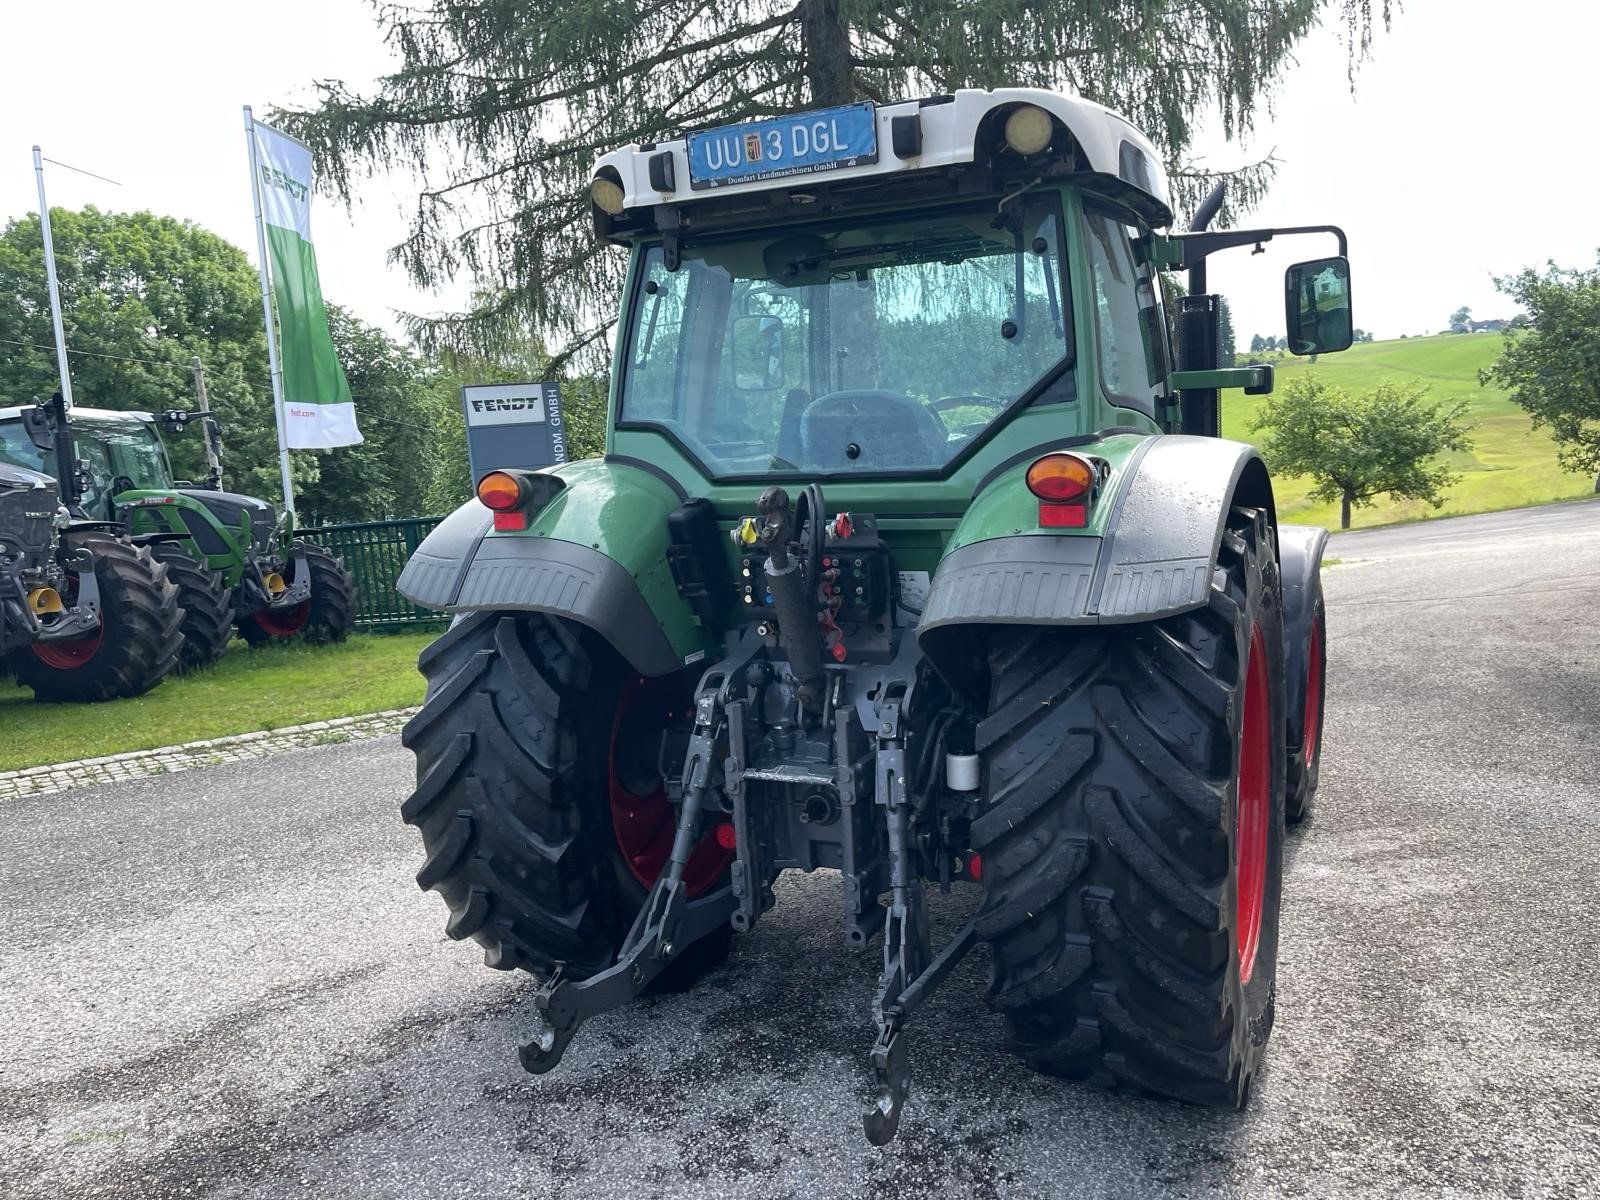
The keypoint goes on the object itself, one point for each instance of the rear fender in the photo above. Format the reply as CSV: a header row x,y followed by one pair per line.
x,y
596,554
1148,553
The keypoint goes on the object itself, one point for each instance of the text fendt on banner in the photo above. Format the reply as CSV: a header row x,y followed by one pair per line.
x,y
312,396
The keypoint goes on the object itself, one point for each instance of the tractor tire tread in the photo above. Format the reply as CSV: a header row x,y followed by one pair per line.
x,y
1105,851
510,800
207,606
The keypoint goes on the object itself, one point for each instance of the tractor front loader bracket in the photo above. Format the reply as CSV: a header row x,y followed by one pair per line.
x,y
83,615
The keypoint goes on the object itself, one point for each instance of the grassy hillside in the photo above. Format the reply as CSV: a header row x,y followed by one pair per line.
x,y
1509,465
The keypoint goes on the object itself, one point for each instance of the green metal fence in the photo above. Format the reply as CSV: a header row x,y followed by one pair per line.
x,y
375,552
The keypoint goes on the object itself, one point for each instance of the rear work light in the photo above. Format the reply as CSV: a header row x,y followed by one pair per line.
x,y
504,494
1065,486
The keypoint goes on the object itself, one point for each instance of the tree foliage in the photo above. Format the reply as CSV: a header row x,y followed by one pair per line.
x,y
1225,335
502,105
399,400
1358,447
1553,369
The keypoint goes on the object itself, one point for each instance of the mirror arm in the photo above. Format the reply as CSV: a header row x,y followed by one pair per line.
x,y
1196,246
1256,379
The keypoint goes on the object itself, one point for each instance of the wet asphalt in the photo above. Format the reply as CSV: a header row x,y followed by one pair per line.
x,y
225,983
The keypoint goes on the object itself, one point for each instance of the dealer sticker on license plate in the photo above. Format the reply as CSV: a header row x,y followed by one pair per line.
x,y
782,146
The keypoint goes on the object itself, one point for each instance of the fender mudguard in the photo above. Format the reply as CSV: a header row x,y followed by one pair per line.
x,y
596,554
1154,557
1300,550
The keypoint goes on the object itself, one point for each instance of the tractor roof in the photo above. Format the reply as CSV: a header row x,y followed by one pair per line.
x,y
116,415
949,132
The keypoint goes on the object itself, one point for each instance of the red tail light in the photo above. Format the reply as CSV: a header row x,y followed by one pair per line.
x,y
1065,486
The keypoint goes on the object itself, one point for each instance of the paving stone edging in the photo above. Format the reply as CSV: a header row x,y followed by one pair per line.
x,y
137,764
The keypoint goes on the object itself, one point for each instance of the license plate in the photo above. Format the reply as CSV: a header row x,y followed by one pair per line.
x,y
782,146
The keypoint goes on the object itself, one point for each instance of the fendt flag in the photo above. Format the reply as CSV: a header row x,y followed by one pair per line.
x,y
317,411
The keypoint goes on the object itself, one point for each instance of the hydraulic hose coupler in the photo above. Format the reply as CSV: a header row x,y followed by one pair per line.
x,y
798,632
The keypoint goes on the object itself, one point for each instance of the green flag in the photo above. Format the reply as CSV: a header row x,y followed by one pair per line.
x,y
317,410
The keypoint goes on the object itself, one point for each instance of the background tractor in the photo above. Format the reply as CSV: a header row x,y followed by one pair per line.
x,y
234,559
85,614
914,554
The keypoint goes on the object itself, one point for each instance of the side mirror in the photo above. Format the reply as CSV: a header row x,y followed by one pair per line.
x,y
37,422
1317,295
757,353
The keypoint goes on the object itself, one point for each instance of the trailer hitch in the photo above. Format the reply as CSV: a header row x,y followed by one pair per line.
x,y
667,923
908,977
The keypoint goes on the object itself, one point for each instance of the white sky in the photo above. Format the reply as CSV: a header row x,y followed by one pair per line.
x,y
1463,154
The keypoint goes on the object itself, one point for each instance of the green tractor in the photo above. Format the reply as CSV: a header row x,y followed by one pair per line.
x,y
235,559
85,614
914,554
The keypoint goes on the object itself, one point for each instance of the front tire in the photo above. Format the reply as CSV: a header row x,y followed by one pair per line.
x,y
137,644
516,803
328,615
1131,846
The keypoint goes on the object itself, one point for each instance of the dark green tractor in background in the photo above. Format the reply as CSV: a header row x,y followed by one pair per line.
x,y
85,613
235,559
915,555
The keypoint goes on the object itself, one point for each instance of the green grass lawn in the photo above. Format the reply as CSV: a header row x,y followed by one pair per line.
x,y
1510,466
266,688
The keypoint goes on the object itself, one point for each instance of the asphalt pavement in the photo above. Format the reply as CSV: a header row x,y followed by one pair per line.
x,y
225,983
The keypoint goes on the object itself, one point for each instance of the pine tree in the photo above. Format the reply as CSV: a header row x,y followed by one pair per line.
x,y
502,105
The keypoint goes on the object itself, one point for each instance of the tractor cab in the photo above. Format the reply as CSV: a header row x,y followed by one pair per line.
x,y
116,452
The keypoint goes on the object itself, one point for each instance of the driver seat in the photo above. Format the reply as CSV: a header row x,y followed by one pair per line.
x,y
892,430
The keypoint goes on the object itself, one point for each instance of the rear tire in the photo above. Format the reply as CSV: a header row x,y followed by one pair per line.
x,y
140,634
1306,702
1131,845
327,616
513,749
207,606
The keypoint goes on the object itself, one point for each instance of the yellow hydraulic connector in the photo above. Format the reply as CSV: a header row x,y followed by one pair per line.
x,y
275,584
45,602
746,534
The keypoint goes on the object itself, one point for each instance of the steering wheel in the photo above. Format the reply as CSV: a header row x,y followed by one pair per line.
x,y
971,400
871,428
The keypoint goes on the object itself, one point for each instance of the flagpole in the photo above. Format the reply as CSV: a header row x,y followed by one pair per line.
x,y
266,312
50,277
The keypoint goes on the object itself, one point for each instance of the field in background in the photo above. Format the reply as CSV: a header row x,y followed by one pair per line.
x,y
266,688
1509,466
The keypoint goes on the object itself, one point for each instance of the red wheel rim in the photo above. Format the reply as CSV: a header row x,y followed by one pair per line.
x,y
1253,806
71,654
642,817
285,622
1313,723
